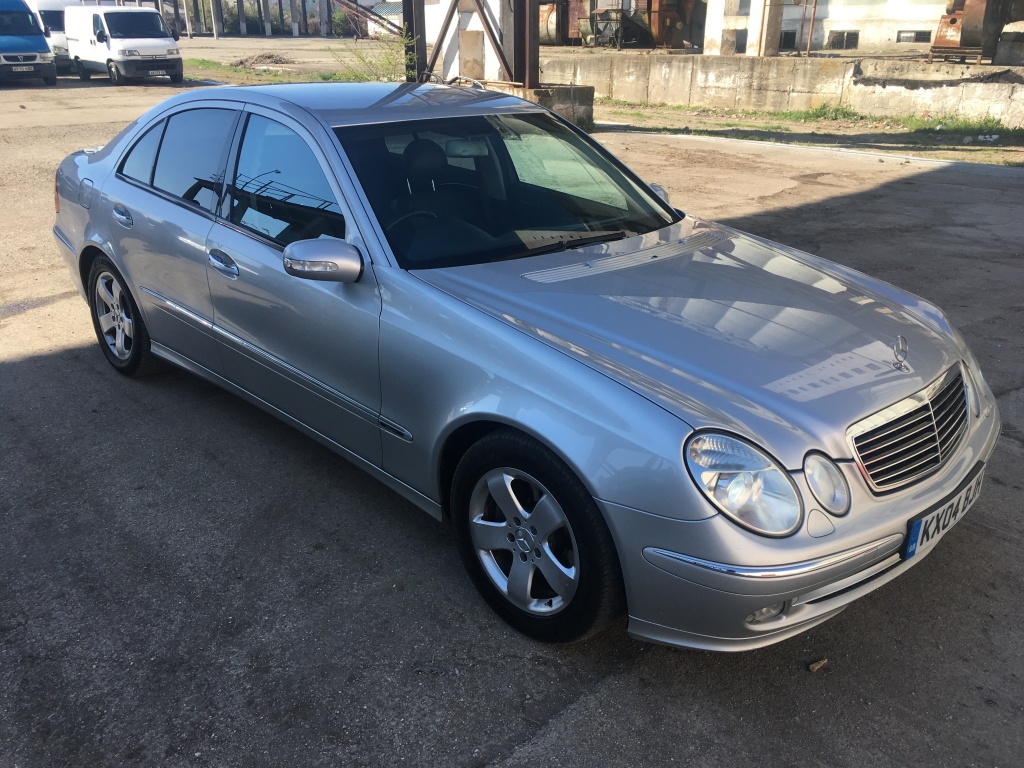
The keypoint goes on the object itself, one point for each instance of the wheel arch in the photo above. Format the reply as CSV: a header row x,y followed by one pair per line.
x,y
463,436
89,254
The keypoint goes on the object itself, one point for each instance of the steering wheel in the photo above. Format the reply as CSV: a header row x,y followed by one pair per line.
x,y
409,215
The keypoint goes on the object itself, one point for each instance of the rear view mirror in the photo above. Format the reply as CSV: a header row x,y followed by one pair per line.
x,y
46,31
465,148
327,259
176,35
101,36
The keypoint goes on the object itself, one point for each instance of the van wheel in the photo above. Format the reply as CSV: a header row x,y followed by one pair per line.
x,y
177,77
50,80
82,73
116,78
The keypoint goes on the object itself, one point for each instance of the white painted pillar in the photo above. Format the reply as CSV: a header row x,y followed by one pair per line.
x,y
293,9
720,27
764,27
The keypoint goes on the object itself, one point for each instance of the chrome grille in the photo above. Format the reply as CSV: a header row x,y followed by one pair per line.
x,y
915,436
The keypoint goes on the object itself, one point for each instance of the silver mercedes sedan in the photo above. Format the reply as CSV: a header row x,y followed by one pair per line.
x,y
619,408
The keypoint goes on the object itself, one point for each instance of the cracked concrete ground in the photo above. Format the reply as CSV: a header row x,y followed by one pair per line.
x,y
186,581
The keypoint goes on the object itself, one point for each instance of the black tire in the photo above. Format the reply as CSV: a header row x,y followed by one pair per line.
x,y
50,80
119,326
177,77
116,78
83,73
570,540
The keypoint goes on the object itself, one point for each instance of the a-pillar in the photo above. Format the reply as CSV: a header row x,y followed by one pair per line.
x,y
765,27
720,27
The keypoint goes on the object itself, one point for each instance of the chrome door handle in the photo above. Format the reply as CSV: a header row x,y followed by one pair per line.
x,y
223,263
122,217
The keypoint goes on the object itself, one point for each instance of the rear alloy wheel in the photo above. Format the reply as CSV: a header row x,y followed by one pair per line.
x,y
533,540
119,327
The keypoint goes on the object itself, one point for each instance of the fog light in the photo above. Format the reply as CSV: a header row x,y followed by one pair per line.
x,y
768,612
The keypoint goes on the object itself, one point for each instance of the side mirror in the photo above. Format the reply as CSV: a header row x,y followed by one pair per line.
x,y
101,36
661,192
329,260
176,35
46,31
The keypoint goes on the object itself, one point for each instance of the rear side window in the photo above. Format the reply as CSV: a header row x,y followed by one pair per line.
x,y
280,190
192,154
138,164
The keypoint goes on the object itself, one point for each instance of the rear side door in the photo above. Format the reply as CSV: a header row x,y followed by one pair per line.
x,y
162,201
306,348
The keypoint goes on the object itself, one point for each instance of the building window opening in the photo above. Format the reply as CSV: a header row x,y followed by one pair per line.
x,y
843,40
914,36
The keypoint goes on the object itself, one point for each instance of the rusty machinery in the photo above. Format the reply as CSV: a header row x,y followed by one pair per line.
x,y
970,28
640,23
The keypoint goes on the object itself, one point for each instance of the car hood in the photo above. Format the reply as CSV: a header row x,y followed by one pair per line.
x,y
722,329
23,44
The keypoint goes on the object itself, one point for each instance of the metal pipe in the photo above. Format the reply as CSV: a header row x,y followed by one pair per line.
x,y
803,20
760,35
810,34
441,36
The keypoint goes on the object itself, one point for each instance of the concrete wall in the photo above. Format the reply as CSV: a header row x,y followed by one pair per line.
x,y
873,87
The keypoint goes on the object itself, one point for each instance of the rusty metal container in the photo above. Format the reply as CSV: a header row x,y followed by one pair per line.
x,y
549,25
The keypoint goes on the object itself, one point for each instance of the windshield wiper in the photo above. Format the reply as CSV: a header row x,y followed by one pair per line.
x,y
568,244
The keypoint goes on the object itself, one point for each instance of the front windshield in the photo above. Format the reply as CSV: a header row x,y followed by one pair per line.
x,y
18,23
471,190
123,25
53,19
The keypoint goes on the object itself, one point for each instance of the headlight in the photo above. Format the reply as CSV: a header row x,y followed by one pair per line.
x,y
127,52
827,484
60,51
744,483
974,376
173,51
45,58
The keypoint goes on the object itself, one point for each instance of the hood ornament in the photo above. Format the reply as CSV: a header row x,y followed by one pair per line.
x,y
900,350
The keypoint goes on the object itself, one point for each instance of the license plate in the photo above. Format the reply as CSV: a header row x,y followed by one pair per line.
x,y
153,72
22,69
924,530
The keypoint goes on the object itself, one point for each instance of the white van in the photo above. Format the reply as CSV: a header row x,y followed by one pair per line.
x,y
123,43
51,19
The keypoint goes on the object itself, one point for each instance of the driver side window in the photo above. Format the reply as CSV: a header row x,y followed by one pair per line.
x,y
280,190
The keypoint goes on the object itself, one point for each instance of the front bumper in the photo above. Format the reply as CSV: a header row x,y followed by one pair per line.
x,y
144,67
684,589
31,71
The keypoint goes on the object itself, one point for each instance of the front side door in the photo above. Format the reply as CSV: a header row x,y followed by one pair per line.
x,y
162,201
307,348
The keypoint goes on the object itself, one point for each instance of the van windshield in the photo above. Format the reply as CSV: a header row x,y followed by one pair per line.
x,y
53,19
123,25
18,23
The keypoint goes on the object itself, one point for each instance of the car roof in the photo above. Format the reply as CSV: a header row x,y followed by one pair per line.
x,y
340,104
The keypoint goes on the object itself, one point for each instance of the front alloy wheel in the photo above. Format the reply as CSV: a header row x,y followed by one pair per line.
x,y
533,540
523,541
